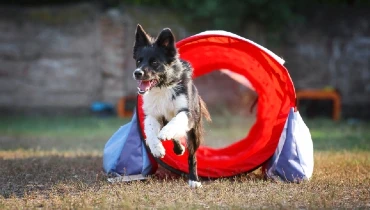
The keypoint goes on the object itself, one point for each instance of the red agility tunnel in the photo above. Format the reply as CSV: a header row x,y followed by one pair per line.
x,y
215,50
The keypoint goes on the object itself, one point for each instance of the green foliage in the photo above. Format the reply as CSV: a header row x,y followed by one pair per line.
x,y
232,15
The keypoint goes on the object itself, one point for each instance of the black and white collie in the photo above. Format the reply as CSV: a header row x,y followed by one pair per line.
x,y
173,109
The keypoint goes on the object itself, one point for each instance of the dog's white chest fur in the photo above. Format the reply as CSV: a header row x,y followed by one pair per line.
x,y
159,102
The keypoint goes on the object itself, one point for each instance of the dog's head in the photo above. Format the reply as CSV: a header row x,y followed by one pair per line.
x,y
154,59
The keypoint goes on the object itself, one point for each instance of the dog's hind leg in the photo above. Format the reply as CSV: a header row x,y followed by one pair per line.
x,y
193,145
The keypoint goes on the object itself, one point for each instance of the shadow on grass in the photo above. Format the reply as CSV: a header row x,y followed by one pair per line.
x,y
20,176
58,174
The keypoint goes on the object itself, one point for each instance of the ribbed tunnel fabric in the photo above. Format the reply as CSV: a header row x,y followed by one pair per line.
x,y
216,50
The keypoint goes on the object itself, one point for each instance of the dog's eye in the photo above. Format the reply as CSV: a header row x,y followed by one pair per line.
x,y
154,62
138,61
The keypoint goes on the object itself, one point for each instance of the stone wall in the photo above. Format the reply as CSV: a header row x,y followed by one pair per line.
x,y
66,57
332,49
70,56
49,57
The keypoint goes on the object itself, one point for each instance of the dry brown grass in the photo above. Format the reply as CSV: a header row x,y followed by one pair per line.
x,y
51,180
58,175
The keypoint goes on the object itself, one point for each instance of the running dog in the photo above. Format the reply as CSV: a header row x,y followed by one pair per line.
x,y
173,109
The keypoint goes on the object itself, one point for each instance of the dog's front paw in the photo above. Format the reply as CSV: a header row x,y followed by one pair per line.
x,y
194,184
157,150
169,132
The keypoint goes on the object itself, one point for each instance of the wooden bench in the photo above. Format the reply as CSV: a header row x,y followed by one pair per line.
x,y
322,95
125,106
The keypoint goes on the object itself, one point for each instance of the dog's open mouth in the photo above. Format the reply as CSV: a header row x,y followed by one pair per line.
x,y
146,85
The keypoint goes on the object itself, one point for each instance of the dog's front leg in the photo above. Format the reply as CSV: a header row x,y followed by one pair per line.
x,y
176,128
152,127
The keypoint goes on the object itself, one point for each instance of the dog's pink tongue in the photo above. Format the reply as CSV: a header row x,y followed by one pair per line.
x,y
144,86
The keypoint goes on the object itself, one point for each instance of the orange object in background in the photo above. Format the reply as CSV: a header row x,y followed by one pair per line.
x,y
322,95
123,106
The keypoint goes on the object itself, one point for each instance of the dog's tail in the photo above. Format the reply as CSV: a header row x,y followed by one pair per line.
x,y
204,111
199,129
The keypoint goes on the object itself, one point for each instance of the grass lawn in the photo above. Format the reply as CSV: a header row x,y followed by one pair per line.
x,y
56,162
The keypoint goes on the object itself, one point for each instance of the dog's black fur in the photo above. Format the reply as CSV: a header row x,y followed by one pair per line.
x,y
159,66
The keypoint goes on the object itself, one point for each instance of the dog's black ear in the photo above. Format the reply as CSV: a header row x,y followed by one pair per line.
x,y
166,40
141,39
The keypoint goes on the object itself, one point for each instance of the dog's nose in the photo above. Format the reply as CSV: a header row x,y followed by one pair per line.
x,y
138,73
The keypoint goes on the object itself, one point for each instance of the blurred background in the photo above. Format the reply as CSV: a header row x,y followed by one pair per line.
x,y
66,86
65,66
